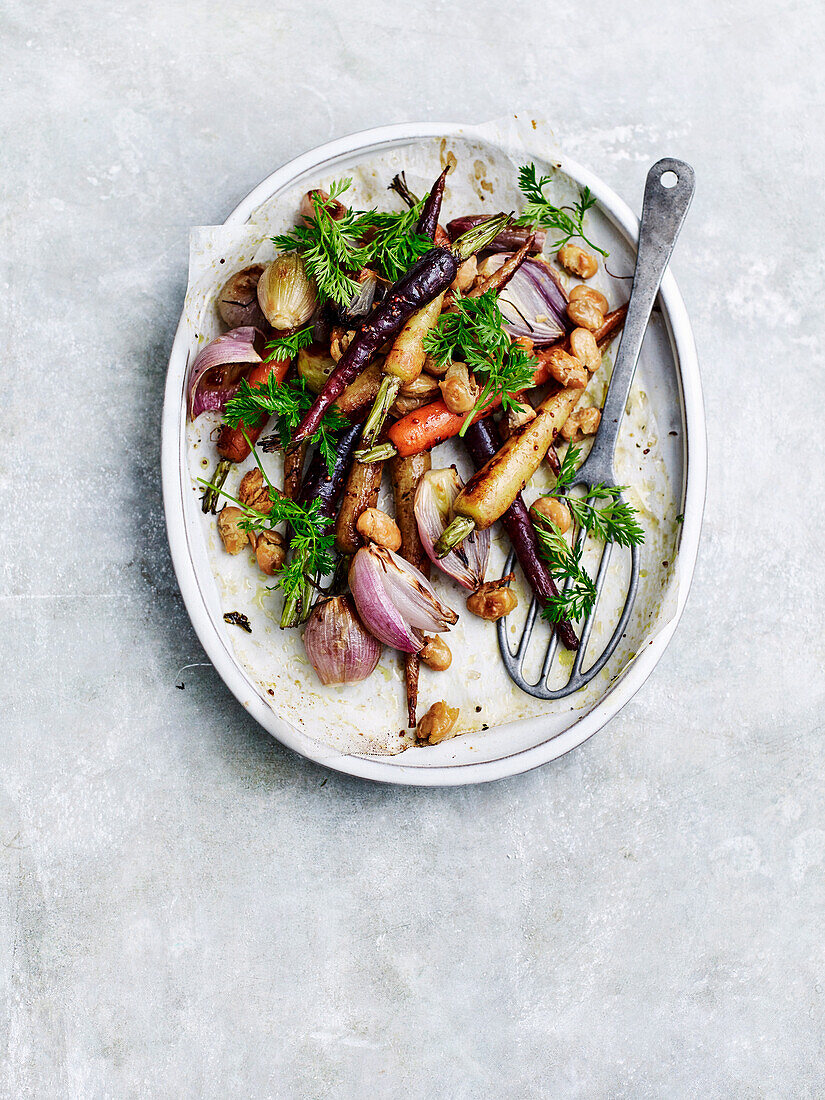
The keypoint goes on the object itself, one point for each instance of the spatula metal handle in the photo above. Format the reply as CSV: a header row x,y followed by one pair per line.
x,y
663,213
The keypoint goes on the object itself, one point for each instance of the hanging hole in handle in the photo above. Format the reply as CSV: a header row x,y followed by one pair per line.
x,y
669,179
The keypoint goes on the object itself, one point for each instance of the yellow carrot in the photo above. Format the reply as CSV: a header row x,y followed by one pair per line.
x,y
406,358
491,491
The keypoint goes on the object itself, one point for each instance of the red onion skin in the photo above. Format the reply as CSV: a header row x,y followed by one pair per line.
x,y
466,566
538,275
339,647
213,398
395,600
240,347
379,616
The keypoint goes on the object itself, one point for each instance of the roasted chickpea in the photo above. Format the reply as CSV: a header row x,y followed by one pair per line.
x,y
254,492
589,294
436,654
492,600
555,510
583,347
577,261
466,275
437,724
584,314
413,395
458,389
270,552
437,370
570,429
589,420
423,386
581,423
233,537
516,417
373,525
566,370
403,405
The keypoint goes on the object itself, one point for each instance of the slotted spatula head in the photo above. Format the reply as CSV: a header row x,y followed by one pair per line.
x,y
668,194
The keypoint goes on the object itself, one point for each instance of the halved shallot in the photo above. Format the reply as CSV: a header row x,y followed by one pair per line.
x,y
434,498
395,600
533,303
217,371
339,647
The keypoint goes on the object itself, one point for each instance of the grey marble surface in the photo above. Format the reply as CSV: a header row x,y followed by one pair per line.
x,y
189,910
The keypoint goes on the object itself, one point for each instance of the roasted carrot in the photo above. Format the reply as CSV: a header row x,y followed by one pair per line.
x,y
406,357
483,441
232,446
402,366
321,485
426,428
361,492
423,429
406,474
399,184
231,442
356,400
428,219
425,280
491,491
293,469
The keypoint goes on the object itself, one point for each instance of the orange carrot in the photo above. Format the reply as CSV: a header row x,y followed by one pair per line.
x,y
231,442
427,427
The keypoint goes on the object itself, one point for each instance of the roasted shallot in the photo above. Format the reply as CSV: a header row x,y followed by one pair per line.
x,y
433,511
395,600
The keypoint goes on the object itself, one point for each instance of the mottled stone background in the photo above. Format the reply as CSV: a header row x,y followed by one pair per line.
x,y
187,909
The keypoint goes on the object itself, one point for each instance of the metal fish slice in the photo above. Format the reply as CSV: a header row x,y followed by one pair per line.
x,y
668,193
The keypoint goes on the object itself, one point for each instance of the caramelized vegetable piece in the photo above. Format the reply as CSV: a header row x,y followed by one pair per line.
x,y
361,492
556,511
231,442
482,441
577,261
436,654
406,474
426,279
270,552
232,535
376,526
238,299
491,491
406,358
426,428
358,398
293,469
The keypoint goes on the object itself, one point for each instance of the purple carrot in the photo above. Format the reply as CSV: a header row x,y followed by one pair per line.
x,y
483,442
428,219
508,240
425,280
319,484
